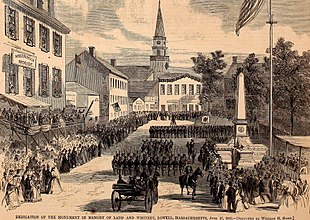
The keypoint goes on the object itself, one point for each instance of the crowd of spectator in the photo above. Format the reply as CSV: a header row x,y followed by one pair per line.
x,y
32,118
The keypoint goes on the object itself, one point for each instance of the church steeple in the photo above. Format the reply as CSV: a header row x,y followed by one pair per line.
x,y
159,61
159,31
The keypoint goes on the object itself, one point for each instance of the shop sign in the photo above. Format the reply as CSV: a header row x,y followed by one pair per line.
x,y
23,59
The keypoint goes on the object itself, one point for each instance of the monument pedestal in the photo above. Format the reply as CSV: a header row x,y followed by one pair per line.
x,y
240,152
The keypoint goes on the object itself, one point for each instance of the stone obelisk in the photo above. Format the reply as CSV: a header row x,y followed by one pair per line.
x,y
240,151
240,118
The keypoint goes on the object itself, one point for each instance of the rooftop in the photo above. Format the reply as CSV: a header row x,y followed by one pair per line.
x,y
78,88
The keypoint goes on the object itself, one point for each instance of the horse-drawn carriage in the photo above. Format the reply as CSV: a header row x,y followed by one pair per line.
x,y
147,191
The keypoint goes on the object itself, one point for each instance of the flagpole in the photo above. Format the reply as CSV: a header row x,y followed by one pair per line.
x,y
271,22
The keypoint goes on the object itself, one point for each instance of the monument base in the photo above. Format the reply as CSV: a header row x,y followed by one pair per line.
x,y
240,152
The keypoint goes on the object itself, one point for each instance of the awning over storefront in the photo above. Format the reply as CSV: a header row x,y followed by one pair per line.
x,y
23,101
297,141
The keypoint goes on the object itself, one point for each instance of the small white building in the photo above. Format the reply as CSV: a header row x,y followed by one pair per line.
x,y
179,92
144,95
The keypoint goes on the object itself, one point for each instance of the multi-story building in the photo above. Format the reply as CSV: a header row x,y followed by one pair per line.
x,y
103,78
179,92
32,51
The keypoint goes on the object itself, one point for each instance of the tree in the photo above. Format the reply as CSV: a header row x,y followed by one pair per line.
x,y
291,82
212,76
256,86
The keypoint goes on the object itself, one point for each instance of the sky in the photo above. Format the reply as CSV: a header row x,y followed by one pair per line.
x,y
123,29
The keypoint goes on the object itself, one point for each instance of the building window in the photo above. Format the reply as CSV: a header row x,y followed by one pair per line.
x,y
198,89
57,83
191,89
44,38
40,4
57,39
11,23
177,89
183,89
44,80
169,89
12,80
28,82
29,31
162,89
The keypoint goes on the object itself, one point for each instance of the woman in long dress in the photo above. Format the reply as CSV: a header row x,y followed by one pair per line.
x,y
55,180
35,187
239,201
224,201
11,197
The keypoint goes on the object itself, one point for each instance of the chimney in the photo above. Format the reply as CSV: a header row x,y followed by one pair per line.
x,y
113,62
91,51
235,59
51,8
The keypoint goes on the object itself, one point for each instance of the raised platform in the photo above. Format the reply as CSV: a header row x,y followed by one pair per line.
x,y
240,152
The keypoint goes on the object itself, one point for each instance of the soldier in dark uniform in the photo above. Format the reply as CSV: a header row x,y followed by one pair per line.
x,y
144,162
151,166
163,166
137,165
130,163
182,163
175,164
170,165
114,164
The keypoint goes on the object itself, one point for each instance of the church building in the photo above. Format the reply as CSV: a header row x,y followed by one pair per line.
x,y
146,83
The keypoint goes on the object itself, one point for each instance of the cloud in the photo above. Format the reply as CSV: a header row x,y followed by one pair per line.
x,y
124,28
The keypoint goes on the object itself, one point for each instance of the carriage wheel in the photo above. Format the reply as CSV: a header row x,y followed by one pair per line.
x,y
155,195
148,201
116,201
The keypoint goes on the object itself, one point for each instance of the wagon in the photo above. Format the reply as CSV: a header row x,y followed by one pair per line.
x,y
128,193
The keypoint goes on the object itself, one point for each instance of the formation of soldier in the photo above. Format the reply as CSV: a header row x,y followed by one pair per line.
x,y
218,133
152,156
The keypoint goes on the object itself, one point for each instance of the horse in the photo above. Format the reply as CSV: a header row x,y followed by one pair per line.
x,y
190,181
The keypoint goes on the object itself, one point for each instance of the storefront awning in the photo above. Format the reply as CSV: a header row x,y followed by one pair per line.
x,y
297,141
23,101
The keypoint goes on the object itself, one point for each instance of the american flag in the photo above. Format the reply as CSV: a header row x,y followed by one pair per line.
x,y
248,11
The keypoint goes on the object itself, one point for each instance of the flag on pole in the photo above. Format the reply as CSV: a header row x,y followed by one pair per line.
x,y
116,107
248,11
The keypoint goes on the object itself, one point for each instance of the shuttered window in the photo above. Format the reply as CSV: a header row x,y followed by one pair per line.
x,y
44,38
169,89
57,83
177,89
183,89
57,42
28,82
162,89
44,80
11,79
29,31
191,89
11,23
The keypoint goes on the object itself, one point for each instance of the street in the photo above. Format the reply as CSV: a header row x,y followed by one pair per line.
x,y
87,191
